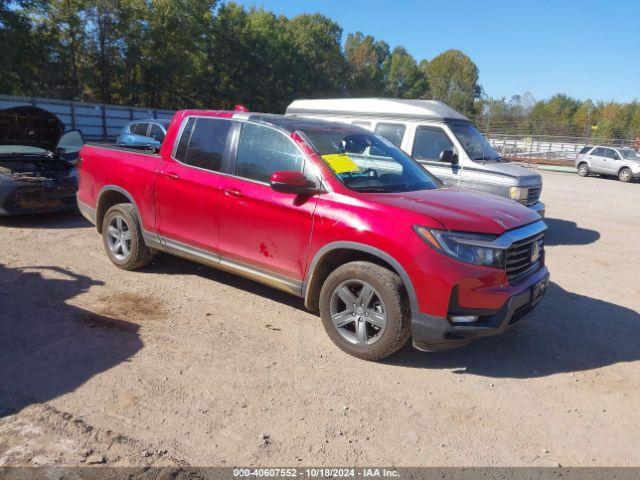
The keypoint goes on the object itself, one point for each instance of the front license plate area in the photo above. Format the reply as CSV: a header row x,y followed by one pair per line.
x,y
539,290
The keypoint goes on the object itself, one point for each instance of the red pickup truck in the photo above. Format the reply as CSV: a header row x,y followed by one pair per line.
x,y
327,211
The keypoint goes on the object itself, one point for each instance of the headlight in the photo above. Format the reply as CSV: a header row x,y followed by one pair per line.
x,y
466,247
519,193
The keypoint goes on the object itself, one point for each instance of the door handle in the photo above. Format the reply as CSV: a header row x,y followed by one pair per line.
x,y
171,176
233,192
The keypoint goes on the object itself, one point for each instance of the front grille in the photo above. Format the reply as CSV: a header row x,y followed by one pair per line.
x,y
519,257
534,195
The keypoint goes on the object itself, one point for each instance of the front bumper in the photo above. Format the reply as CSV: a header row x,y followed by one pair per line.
x,y
432,333
539,207
38,198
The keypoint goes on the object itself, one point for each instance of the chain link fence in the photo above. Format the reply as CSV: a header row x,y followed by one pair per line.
x,y
549,149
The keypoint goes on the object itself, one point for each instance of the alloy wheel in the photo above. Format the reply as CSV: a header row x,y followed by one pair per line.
x,y
119,237
358,312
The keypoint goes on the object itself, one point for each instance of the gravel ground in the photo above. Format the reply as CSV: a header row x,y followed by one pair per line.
x,y
180,364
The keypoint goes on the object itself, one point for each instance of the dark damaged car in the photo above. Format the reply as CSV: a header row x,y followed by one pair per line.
x,y
37,162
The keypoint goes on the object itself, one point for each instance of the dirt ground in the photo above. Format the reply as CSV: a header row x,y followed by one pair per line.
x,y
180,364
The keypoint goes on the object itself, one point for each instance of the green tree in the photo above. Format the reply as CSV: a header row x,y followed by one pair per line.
x,y
64,43
174,52
453,79
103,47
584,118
23,59
555,116
366,59
132,30
317,55
251,52
404,78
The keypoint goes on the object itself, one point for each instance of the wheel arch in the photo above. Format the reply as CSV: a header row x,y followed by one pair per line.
x,y
109,196
331,256
627,167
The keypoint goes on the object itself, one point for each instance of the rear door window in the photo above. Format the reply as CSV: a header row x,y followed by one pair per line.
x,y
156,132
429,143
392,132
208,143
183,144
263,150
585,150
141,129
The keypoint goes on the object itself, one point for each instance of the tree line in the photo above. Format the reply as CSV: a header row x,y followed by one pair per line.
x,y
201,53
177,53
560,115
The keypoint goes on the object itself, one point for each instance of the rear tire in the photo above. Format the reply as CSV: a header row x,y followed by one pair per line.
x,y
625,175
122,238
583,170
380,322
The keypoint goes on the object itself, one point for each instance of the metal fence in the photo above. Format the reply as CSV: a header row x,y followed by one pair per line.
x,y
548,148
104,122
95,121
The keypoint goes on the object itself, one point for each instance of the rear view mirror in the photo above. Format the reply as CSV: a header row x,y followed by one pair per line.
x,y
290,181
448,156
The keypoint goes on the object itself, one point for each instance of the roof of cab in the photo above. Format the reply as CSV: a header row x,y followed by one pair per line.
x,y
291,124
288,124
379,107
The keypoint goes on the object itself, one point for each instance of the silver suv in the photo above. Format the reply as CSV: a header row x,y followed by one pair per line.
x,y
624,163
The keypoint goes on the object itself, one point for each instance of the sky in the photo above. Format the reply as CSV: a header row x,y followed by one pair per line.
x,y
584,48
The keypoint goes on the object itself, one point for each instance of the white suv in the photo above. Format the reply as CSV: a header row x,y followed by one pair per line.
x,y
624,163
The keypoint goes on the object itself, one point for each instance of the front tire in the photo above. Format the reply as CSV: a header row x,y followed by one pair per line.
x,y
365,310
625,175
122,238
583,170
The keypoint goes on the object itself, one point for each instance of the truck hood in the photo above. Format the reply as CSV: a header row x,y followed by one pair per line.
x,y
30,126
525,176
462,210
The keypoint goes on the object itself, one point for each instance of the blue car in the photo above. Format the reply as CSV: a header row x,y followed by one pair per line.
x,y
143,133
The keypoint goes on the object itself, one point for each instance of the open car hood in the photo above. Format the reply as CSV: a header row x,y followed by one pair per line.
x,y
30,126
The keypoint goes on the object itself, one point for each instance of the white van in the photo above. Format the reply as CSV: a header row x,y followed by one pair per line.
x,y
441,139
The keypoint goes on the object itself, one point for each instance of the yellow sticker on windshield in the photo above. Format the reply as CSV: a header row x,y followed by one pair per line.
x,y
340,163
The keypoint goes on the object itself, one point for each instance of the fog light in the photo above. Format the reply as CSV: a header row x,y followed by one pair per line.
x,y
464,319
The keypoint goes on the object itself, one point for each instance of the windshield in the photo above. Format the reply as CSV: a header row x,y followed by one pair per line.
x,y
367,162
473,142
21,149
630,154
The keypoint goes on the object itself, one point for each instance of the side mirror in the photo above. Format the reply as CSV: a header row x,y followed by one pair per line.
x,y
290,181
448,156
71,141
